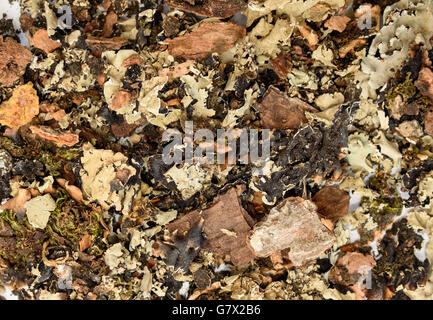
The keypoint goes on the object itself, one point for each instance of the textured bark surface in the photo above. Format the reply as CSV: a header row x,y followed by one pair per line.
x,y
277,111
226,225
41,41
209,37
210,8
21,107
293,224
332,203
13,61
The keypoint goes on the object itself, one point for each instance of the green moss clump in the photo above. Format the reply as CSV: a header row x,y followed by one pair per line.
x,y
406,90
383,209
55,162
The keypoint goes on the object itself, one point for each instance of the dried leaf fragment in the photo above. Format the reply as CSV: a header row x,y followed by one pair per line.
x,y
209,37
21,107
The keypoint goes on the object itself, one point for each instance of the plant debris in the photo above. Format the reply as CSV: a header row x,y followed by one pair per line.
x,y
212,150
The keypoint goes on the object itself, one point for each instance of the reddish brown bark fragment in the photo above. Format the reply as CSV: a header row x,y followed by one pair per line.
x,y
351,269
13,61
337,23
209,37
133,59
210,8
123,129
42,41
332,203
277,111
26,22
103,44
425,82
120,99
60,139
53,110
428,123
226,214
110,21
282,64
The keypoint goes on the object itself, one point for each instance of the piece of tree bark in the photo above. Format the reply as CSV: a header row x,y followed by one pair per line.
x,y
293,224
210,8
277,111
209,37
332,203
226,225
14,59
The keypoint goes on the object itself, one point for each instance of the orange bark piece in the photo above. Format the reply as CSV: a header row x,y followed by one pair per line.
x,y
133,59
337,23
60,139
209,37
42,41
21,107
103,44
176,71
16,204
120,99
13,61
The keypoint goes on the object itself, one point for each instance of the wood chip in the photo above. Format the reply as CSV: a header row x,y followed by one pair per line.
x,y
60,139
21,107
42,41
209,37
210,8
277,111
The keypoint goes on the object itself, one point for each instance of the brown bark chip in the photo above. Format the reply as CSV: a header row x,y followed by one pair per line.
x,y
102,44
226,225
14,59
337,23
210,8
425,82
428,123
60,139
209,37
332,203
277,111
42,41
